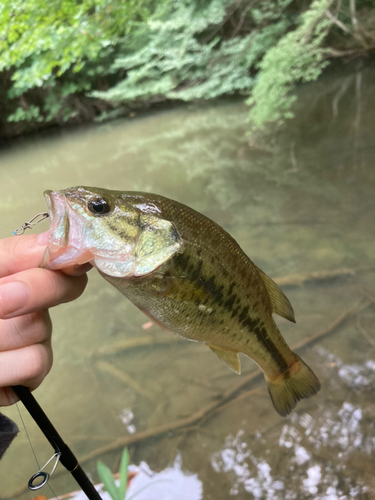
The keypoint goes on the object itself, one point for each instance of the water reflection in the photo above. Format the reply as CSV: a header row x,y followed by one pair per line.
x,y
357,377
126,417
251,472
305,439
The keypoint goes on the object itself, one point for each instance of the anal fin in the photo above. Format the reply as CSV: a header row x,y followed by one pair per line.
x,y
230,358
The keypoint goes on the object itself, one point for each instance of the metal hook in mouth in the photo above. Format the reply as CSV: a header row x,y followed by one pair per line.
x,y
44,476
27,225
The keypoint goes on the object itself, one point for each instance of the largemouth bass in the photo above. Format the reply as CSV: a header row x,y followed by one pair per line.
x,y
184,272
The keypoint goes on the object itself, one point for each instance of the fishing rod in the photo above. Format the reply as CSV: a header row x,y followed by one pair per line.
x,y
62,451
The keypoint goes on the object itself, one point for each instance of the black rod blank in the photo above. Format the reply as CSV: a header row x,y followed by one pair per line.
x,y
67,458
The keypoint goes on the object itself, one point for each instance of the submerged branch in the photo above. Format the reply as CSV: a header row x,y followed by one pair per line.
x,y
134,343
363,331
126,379
302,278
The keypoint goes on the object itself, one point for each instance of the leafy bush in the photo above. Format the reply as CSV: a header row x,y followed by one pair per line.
x,y
180,53
61,48
298,57
188,52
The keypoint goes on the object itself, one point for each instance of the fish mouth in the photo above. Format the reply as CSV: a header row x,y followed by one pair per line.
x,y
64,248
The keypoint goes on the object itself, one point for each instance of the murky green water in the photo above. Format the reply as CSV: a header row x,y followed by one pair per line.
x,y
298,200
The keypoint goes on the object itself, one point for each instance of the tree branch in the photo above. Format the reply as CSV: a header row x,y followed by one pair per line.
x,y
356,35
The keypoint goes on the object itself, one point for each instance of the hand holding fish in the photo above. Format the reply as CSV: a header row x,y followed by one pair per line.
x,y
26,293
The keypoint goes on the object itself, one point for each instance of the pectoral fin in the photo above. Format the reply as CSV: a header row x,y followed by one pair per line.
x,y
230,358
154,320
280,303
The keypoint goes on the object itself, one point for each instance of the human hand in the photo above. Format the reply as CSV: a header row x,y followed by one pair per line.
x,y
26,293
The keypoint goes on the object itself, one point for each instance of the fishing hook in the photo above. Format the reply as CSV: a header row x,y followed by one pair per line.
x,y
28,225
44,475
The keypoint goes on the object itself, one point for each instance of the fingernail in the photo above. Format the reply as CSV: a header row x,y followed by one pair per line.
x,y
80,269
13,297
42,238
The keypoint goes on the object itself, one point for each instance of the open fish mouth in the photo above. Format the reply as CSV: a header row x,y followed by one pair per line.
x,y
65,241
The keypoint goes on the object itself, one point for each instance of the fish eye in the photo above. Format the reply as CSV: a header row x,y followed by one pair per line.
x,y
99,206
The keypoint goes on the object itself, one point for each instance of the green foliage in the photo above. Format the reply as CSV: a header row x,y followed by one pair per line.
x,y
106,477
119,492
32,113
105,474
180,54
58,46
62,33
123,474
299,56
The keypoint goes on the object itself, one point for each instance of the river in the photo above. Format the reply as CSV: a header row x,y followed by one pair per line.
x,y
299,199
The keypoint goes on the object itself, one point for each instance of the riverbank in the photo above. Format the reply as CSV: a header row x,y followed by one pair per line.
x,y
95,60
17,135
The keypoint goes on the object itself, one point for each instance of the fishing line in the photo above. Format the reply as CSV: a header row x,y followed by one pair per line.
x,y
62,453
32,448
27,435
7,230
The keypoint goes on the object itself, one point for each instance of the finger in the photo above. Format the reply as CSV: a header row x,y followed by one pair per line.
x,y
37,289
77,270
18,253
25,330
27,366
26,251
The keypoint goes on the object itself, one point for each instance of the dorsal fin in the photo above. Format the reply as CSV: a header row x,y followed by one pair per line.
x,y
230,358
280,304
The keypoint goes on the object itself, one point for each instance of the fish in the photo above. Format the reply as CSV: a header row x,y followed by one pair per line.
x,y
186,273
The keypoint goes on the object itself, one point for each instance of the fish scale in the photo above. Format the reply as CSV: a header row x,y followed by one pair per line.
x,y
186,273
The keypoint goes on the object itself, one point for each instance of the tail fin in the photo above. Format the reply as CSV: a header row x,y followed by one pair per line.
x,y
299,382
